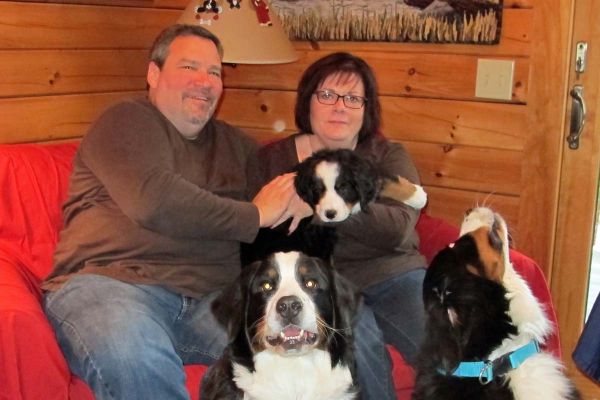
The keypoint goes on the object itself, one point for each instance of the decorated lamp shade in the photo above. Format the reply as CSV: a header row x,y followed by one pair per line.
x,y
250,32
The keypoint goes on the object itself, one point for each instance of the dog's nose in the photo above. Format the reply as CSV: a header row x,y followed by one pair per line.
x,y
330,214
289,306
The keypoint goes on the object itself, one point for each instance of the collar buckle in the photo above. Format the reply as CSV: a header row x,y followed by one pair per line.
x,y
486,375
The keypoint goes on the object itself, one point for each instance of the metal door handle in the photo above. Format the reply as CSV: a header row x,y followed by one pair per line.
x,y
577,116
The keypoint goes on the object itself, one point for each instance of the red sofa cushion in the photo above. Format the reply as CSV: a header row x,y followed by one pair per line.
x,y
33,182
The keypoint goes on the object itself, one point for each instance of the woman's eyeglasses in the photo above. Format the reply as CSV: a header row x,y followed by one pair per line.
x,y
330,98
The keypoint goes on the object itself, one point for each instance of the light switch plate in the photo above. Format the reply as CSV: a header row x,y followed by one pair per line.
x,y
494,79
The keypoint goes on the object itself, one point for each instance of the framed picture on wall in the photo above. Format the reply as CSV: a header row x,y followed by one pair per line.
x,y
429,21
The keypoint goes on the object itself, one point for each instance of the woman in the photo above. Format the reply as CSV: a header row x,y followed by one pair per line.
x,y
338,107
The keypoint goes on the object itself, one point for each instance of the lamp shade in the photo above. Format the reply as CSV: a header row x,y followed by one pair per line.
x,y
249,32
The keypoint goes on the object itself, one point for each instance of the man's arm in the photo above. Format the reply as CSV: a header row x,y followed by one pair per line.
x,y
131,154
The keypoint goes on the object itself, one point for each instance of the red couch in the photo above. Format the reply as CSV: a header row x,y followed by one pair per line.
x,y
33,183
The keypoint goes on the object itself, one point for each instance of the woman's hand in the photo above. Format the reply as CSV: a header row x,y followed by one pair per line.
x,y
297,210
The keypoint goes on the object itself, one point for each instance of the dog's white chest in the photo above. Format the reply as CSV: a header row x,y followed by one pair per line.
x,y
309,377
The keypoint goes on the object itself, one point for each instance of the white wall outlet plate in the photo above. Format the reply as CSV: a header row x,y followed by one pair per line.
x,y
494,79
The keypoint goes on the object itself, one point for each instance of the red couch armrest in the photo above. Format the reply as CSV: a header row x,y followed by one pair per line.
x,y
31,363
434,235
533,275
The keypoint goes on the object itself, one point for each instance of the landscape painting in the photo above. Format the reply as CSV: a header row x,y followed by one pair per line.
x,y
431,21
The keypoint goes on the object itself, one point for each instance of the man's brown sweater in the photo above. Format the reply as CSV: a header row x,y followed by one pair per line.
x,y
146,205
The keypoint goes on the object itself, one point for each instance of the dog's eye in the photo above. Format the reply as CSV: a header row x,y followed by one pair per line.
x,y
311,284
266,286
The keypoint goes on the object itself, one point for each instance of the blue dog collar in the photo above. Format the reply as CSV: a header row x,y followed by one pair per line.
x,y
487,370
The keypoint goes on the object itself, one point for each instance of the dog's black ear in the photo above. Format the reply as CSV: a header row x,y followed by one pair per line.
x,y
346,301
304,182
230,310
367,180
228,307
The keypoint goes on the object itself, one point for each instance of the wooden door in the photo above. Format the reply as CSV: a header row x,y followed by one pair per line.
x,y
578,194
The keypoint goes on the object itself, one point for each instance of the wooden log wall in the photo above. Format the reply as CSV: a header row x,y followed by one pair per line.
x,y
63,62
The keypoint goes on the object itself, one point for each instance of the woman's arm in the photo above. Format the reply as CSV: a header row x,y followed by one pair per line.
x,y
386,224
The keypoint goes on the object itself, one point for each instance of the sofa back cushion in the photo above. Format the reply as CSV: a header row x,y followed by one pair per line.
x,y
33,185
34,180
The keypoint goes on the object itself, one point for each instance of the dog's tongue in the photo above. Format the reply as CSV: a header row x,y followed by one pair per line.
x,y
291,331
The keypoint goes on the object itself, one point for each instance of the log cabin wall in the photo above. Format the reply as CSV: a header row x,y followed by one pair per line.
x,y
63,62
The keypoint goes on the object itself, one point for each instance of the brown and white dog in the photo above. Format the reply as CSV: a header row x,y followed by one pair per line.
x,y
484,326
289,320
335,184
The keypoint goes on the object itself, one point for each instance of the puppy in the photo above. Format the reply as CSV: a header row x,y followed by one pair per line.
x,y
484,326
335,184
339,183
289,320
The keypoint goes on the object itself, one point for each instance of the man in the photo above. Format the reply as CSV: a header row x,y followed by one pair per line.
x,y
155,213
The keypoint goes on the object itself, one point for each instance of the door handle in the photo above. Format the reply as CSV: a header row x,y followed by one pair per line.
x,y
578,112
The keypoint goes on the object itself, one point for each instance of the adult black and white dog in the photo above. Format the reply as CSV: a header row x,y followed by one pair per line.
x,y
484,326
289,321
335,184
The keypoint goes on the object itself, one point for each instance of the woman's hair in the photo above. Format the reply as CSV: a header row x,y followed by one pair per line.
x,y
342,64
160,48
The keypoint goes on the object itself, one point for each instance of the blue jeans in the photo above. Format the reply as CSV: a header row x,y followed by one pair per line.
x,y
398,307
373,362
131,341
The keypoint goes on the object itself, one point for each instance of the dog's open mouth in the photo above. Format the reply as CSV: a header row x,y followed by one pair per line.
x,y
292,337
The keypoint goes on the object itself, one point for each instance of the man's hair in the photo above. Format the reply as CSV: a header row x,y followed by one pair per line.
x,y
344,65
160,48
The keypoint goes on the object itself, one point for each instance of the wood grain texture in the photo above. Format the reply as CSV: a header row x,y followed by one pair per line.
x,y
176,4
463,167
406,119
180,4
27,72
405,74
50,72
451,205
65,26
546,115
40,119
577,204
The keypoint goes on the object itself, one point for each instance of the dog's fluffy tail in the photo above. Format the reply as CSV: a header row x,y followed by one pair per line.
x,y
401,189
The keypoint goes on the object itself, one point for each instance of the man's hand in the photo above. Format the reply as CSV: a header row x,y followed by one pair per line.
x,y
273,199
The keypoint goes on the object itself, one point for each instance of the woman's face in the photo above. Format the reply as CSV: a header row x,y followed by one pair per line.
x,y
337,125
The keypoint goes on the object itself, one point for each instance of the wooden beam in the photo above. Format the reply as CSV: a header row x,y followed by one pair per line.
x,y
39,119
505,126
66,26
405,74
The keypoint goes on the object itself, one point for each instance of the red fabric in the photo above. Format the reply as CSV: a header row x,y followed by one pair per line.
x,y
33,185
434,235
531,272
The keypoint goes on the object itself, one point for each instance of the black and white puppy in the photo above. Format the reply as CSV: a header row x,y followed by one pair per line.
x,y
289,321
335,184
484,326
339,183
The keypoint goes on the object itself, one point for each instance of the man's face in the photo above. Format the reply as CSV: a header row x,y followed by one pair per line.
x,y
187,88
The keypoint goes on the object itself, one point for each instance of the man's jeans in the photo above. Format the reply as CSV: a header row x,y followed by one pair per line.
x,y
131,341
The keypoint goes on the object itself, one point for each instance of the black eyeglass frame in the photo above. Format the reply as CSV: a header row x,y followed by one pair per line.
x,y
346,98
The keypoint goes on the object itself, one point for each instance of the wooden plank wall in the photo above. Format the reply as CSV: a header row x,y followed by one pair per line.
x,y
64,62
